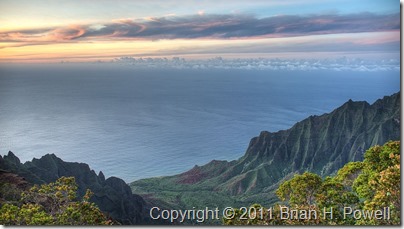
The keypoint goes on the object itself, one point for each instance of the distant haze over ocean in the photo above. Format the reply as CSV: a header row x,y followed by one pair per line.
x,y
136,123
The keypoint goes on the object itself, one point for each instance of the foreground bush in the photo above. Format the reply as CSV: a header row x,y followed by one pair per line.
x,y
53,204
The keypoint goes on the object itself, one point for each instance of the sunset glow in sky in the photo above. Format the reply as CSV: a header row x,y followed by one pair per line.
x,y
89,30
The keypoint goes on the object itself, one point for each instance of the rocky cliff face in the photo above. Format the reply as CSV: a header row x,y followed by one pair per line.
x,y
113,196
320,144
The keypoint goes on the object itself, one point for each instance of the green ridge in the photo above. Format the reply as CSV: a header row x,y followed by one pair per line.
x,y
319,144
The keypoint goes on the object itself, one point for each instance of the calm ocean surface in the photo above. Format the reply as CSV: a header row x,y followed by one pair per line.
x,y
133,123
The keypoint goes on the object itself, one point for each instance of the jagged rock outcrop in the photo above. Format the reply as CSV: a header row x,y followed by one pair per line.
x,y
113,196
320,144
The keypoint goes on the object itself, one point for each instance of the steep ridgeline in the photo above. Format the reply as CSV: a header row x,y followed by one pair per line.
x,y
320,144
113,196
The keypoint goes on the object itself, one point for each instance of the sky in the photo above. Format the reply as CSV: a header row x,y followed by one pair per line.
x,y
90,30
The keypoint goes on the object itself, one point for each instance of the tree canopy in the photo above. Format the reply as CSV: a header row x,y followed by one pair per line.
x,y
52,204
368,185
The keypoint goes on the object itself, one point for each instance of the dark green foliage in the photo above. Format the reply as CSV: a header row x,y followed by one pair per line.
x,y
301,189
53,204
379,182
347,174
111,195
376,180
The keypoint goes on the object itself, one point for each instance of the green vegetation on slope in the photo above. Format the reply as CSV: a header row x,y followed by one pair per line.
x,y
51,204
319,144
112,195
368,186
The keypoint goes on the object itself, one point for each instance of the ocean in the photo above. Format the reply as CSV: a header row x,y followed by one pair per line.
x,y
137,123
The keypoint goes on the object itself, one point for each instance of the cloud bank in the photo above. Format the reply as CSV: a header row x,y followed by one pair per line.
x,y
231,26
336,64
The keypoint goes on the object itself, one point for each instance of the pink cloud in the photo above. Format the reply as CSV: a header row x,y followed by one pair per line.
x,y
211,26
